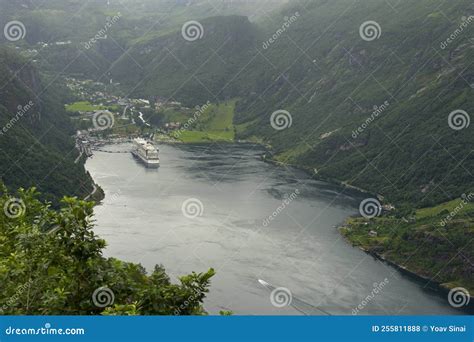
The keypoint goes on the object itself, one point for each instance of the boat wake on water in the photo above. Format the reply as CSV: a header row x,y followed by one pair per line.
x,y
298,304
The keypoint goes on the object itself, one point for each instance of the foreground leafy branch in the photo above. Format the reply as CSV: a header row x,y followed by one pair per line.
x,y
51,263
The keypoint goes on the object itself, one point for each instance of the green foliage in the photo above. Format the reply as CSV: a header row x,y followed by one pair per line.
x,y
35,133
330,88
51,263
427,243
122,310
203,137
84,106
213,124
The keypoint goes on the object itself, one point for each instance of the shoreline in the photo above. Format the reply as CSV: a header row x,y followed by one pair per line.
x,y
435,287
315,176
431,285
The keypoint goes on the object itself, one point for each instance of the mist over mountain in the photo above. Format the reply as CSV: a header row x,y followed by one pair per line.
x,y
332,81
295,57
35,137
351,116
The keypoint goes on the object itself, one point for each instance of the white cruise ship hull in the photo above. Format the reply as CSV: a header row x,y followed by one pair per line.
x,y
152,163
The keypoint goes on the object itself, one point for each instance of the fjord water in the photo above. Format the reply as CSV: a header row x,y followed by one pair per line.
x,y
142,221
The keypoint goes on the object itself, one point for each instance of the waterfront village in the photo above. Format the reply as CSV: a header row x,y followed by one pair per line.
x,y
102,116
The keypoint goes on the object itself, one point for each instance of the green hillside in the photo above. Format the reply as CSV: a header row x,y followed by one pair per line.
x,y
371,109
33,235
436,243
35,133
402,86
214,124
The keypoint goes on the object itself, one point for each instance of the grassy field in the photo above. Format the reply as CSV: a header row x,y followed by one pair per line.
x,y
436,243
214,124
448,206
176,115
86,106
208,136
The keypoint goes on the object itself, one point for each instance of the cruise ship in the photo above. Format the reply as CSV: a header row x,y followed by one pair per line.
x,y
146,152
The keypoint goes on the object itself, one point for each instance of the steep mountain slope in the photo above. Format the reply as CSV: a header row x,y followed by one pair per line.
x,y
370,112
98,32
36,147
330,79
194,72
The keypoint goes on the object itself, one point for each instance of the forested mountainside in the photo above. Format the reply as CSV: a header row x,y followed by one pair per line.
x,y
367,108
51,263
35,133
76,23
372,113
373,94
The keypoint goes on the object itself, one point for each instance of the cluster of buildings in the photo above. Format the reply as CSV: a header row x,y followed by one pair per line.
x,y
170,126
91,91
96,93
